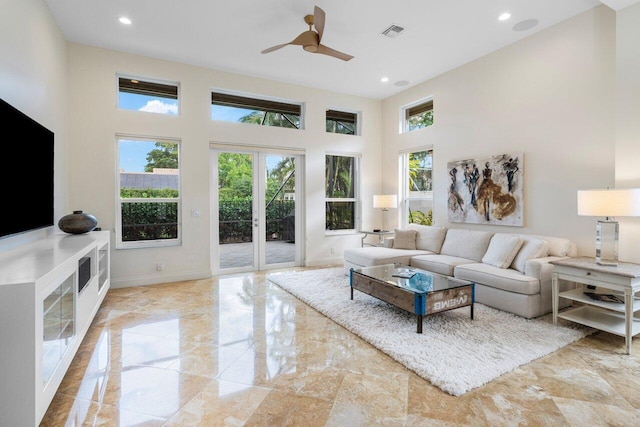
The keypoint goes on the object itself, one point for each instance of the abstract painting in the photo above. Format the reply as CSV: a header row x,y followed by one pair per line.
x,y
486,191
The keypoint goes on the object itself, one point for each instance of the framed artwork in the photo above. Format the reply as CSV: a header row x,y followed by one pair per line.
x,y
486,191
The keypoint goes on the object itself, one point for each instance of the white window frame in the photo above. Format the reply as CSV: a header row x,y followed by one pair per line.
x,y
120,244
404,126
148,80
358,114
258,97
356,194
407,196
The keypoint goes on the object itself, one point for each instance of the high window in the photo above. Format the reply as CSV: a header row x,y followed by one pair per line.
x,y
342,122
418,116
417,186
341,184
148,210
149,96
234,108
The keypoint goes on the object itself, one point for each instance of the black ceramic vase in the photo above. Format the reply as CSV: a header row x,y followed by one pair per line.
x,y
77,223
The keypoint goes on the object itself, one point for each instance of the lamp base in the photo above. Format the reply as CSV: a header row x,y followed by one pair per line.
x,y
607,242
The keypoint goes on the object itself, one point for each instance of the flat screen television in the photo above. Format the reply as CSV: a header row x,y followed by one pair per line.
x,y
26,173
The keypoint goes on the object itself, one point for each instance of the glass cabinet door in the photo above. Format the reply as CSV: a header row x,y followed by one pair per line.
x,y
58,326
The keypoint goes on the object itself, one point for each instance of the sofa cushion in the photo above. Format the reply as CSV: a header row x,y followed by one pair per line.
x,y
441,264
502,250
429,237
532,247
404,239
557,245
506,279
378,255
469,244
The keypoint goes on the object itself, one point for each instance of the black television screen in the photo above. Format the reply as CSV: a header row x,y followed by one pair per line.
x,y
26,173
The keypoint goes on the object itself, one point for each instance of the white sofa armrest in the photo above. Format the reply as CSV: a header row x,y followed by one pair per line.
x,y
541,269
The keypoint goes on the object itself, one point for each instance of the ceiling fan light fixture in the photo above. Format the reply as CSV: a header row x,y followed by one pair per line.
x,y
310,48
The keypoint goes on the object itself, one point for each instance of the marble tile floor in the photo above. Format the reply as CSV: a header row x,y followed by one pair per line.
x,y
238,350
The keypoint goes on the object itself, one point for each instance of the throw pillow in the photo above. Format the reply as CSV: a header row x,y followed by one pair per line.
x,y
404,239
429,237
531,248
502,250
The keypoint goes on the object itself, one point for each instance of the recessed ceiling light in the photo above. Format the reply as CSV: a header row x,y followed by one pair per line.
x,y
504,16
384,79
124,20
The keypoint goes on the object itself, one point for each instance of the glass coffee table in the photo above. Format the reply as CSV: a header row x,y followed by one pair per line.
x,y
417,291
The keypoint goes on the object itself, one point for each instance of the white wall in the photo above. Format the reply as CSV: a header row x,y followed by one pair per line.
x,y
627,137
549,96
96,120
33,78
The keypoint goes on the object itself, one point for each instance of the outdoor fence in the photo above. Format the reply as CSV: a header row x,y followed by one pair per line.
x,y
236,221
142,221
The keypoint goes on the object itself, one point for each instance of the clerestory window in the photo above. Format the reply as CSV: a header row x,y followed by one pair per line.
x,y
145,95
235,108
342,122
418,116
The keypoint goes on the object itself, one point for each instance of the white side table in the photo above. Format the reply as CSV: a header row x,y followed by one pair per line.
x,y
622,280
380,235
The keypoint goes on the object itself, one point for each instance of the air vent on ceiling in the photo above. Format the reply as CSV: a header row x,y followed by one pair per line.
x,y
393,31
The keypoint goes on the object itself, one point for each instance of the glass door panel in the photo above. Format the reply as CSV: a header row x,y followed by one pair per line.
x,y
236,235
258,220
280,209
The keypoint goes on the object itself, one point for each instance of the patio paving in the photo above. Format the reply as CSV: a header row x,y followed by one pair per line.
x,y
234,255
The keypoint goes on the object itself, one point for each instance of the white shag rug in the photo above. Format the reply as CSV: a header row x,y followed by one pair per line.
x,y
453,352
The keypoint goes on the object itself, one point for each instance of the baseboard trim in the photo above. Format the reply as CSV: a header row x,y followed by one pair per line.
x,y
154,280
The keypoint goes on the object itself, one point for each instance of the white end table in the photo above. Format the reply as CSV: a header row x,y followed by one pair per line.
x,y
622,280
380,235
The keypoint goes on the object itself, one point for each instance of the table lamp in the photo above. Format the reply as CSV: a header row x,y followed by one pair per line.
x,y
609,204
385,201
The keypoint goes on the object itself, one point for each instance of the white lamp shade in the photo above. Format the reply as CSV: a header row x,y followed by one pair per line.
x,y
622,202
385,201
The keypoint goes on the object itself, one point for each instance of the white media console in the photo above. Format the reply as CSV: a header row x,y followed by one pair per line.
x,y
50,291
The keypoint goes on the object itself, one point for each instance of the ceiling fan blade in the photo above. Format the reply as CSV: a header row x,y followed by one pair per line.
x,y
308,37
332,52
318,21
272,48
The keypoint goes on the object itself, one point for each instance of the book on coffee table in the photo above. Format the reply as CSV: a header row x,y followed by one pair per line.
x,y
404,274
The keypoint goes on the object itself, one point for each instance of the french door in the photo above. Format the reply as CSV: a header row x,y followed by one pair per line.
x,y
257,214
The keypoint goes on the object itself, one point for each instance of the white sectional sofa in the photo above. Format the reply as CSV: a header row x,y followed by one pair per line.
x,y
511,271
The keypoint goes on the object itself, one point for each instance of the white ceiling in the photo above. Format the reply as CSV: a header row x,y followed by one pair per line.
x,y
229,35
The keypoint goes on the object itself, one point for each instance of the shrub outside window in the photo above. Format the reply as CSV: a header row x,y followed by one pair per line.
x,y
154,97
342,122
341,181
149,193
418,116
234,108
